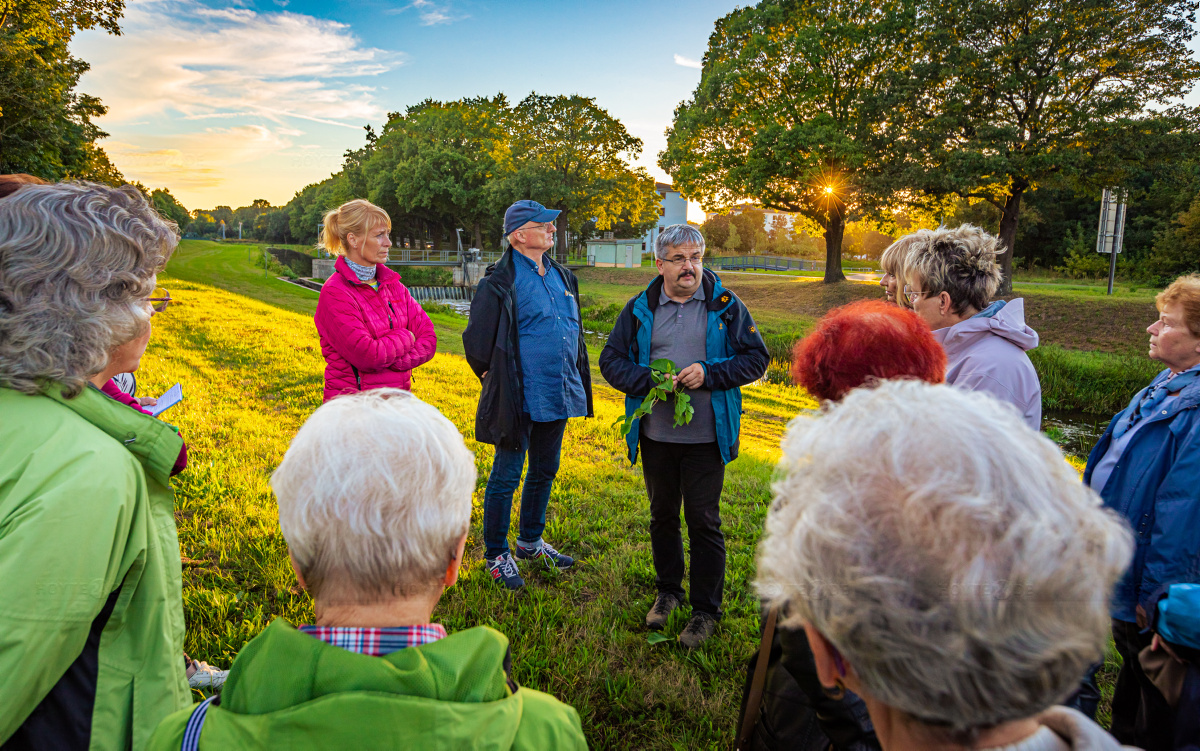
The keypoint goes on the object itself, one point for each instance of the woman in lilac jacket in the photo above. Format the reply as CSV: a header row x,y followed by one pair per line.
x,y
952,275
373,333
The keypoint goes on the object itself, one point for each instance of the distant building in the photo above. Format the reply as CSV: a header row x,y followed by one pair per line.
x,y
672,209
623,253
768,214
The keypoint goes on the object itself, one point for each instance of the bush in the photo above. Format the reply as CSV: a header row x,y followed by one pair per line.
x,y
1176,249
1095,382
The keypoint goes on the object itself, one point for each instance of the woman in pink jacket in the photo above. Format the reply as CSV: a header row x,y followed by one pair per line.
x,y
373,333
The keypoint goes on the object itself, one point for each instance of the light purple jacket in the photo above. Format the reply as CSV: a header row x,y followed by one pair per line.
x,y
987,353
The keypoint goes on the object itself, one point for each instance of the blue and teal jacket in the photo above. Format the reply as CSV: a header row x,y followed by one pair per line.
x,y
735,356
1156,487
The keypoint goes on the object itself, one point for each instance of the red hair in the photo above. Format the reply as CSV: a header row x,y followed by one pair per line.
x,y
863,342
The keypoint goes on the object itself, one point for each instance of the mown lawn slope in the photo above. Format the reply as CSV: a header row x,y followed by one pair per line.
x,y
252,372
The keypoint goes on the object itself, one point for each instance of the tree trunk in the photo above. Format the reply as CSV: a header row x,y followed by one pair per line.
x,y
560,246
1008,236
478,227
834,231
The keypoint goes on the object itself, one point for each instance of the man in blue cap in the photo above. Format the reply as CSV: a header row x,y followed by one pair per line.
x,y
525,342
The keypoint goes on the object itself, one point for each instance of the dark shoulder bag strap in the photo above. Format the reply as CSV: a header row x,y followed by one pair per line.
x,y
758,682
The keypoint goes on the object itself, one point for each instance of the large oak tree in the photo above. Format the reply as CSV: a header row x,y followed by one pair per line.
x,y
1017,94
797,109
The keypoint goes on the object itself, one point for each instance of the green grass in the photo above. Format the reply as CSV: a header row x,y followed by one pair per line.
x,y
246,351
251,373
1094,382
229,267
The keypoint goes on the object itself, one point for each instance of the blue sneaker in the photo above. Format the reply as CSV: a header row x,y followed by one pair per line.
x,y
504,570
553,558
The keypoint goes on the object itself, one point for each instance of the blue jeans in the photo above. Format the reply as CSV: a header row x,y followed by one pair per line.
x,y
543,444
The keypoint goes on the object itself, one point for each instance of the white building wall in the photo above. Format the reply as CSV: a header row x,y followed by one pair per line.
x,y
672,209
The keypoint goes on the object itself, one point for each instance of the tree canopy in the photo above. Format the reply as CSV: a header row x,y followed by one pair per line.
x,y
46,126
440,166
797,108
1018,94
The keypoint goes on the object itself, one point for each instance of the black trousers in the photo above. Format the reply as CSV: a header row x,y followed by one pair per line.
x,y
1141,716
692,474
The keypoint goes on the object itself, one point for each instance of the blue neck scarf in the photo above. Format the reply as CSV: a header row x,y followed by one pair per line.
x,y
1152,398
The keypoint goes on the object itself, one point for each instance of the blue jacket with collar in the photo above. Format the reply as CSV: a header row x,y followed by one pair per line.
x,y
1156,487
734,349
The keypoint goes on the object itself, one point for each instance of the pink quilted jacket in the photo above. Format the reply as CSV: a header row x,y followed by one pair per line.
x,y
370,338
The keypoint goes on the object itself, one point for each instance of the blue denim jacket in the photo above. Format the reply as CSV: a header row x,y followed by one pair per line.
x,y
548,334
1156,487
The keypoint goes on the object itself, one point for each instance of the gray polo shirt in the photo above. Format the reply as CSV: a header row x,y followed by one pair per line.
x,y
680,330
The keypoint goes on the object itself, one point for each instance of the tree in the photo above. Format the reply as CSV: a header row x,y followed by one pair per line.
x,y
716,230
46,127
444,159
1023,93
733,240
170,208
569,154
798,108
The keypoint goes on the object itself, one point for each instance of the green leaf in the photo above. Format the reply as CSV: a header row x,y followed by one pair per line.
x,y
663,365
657,637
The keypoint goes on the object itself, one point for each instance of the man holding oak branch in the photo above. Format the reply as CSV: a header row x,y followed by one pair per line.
x,y
685,315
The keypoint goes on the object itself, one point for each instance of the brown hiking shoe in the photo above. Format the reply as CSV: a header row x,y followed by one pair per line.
x,y
698,629
660,611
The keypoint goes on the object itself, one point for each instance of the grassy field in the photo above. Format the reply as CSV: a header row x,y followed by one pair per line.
x,y
251,373
245,349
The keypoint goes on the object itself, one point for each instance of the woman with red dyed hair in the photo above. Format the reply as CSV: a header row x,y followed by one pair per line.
x,y
854,345
864,342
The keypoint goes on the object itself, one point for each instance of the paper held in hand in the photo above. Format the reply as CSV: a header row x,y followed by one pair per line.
x,y
173,396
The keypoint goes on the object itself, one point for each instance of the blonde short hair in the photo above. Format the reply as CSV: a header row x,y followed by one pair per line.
x,y
374,494
358,217
959,261
946,550
894,262
1185,292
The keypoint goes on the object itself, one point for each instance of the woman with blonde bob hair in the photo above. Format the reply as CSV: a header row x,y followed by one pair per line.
x,y
892,263
91,607
373,333
958,582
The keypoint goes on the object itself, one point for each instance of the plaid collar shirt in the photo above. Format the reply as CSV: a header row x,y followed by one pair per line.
x,y
376,642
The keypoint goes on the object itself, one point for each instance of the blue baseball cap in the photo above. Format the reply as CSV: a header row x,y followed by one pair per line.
x,y
527,211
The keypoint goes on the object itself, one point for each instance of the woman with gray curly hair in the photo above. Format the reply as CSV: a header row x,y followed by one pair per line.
x,y
952,276
960,592
91,612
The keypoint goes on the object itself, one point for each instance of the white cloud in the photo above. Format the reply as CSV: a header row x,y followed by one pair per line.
x,y
181,57
430,13
687,62
196,160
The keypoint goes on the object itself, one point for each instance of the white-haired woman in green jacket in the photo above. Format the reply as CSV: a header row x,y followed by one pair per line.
x,y
91,613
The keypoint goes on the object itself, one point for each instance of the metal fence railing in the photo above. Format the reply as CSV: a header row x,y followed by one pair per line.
x,y
772,263
427,257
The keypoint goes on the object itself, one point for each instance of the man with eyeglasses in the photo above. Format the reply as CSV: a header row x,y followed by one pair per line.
x,y
525,342
687,316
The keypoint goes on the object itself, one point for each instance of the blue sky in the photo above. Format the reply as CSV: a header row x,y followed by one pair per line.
x,y
224,102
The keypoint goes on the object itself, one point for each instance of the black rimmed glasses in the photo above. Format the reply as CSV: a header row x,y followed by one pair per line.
x,y
681,261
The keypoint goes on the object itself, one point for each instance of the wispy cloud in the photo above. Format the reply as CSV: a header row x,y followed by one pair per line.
x,y
181,56
194,161
687,62
431,13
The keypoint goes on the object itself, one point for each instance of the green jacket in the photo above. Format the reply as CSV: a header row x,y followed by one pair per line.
x,y
289,690
86,509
